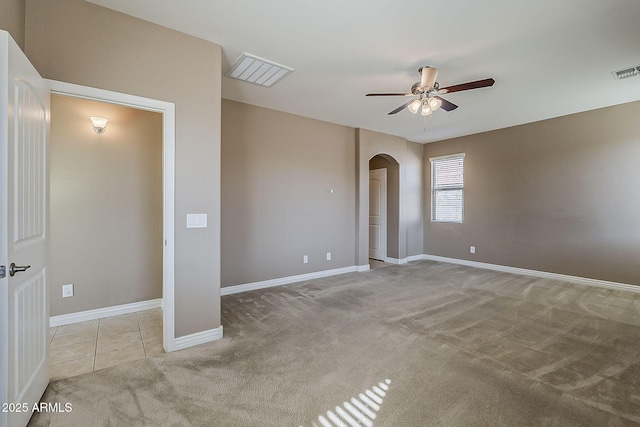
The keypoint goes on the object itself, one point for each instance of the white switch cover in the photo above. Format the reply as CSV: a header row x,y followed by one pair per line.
x,y
196,220
472,249
328,256
67,290
305,259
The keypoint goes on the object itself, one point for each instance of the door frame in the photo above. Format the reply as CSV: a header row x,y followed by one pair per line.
x,y
167,109
384,207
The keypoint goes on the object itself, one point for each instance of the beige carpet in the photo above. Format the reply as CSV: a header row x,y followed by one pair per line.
x,y
459,346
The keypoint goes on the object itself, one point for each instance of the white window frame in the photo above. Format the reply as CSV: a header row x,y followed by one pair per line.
x,y
434,189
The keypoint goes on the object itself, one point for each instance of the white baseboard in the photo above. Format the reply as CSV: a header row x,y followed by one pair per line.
x,y
536,273
81,316
415,257
198,338
362,268
228,290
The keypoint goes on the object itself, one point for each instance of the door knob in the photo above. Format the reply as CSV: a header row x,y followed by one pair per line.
x,y
13,268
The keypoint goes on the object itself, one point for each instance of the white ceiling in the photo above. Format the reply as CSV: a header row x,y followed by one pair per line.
x,y
549,57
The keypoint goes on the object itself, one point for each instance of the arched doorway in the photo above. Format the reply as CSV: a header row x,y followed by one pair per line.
x,y
384,208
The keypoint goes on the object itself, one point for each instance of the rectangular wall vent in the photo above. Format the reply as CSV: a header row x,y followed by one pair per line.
x,y
256,70
626,73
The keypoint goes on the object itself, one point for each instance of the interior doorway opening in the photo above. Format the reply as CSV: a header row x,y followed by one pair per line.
x,y
105,206
384,209
166,242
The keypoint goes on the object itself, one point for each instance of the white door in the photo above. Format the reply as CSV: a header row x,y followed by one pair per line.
x,y
24,307
378,214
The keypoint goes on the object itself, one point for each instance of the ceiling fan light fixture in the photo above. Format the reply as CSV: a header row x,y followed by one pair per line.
x,y
434,103
414,106
427,91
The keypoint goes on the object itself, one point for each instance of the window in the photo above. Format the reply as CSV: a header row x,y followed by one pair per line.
x,y
447,188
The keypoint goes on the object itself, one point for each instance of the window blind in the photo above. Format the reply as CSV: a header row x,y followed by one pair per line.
x,y
447,188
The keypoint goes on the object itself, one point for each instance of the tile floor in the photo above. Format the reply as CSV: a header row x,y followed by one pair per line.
x,y
83,347
374,263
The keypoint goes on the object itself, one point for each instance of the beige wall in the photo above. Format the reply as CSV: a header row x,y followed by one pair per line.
x,y
409,157
78,42
12,19
559,195
278,171
414,198
106,205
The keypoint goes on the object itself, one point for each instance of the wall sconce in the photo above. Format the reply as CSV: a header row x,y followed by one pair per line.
x,y
99,124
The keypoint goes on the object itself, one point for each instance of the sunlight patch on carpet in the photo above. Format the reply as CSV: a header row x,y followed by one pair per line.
x,y
360,411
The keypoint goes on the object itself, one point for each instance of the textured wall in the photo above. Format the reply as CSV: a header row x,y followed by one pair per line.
x,y
414,198
559,195
78,42
12,19
278,171
106,205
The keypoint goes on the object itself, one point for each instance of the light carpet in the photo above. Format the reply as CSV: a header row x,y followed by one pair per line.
x,y
459,346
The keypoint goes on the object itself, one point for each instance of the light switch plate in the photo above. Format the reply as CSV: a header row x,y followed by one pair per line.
x,y
67,290
196,220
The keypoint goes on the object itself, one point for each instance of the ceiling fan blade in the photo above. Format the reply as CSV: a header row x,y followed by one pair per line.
x,y
428,77
400,108
466,86
446,105
389,94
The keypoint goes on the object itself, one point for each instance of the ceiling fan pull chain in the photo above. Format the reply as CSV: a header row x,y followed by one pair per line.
x,y
425,122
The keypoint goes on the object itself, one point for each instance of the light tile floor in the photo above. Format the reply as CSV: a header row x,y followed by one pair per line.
x,y
374,263
84,347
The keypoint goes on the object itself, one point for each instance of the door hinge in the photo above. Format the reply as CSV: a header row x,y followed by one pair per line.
x,y
3,271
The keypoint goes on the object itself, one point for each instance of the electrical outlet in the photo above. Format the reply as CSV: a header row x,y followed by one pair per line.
x,y
328,256
305,259
67,290
472,249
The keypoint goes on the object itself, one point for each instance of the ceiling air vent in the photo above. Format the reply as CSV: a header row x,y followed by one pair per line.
x,y
626,73
257,70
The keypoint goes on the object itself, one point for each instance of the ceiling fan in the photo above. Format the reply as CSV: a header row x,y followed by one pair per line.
x,y
428,92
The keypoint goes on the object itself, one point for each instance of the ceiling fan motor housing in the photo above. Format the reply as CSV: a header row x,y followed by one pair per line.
x,y
428,77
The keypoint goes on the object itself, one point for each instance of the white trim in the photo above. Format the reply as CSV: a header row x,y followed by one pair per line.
x,y
396,260
99,313
362,268
536,273
198,338
415,257
167,109
448,156
228,290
